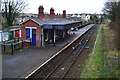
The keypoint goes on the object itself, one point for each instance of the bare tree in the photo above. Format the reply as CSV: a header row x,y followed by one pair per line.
x,y
112,10
12,8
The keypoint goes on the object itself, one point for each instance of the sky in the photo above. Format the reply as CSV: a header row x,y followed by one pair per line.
x,y
71,6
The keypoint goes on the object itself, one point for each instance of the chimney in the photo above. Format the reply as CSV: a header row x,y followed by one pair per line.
x,y
41,12
52,14
64,14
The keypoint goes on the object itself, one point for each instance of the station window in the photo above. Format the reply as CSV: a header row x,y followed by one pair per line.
x,y
33,31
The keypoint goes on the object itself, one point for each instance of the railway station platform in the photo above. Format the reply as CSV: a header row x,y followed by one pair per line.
x,y
20,65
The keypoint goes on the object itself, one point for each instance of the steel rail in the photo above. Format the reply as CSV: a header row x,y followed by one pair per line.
x,y
77,56
69,54
30,75
62,60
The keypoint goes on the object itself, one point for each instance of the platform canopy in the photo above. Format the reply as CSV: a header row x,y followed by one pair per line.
x,y
54,23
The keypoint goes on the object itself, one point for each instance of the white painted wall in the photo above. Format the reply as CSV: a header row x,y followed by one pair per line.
x,y
87,17
19,33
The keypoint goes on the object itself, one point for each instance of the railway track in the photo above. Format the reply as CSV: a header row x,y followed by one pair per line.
x,y
62,63
61,70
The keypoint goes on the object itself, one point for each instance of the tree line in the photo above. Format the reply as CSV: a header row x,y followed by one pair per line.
x,y
11,9
112,10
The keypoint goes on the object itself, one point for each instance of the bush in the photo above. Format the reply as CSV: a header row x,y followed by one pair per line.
x,y
5,25
115,27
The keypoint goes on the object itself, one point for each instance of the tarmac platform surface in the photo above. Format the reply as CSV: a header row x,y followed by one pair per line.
x,y
15,66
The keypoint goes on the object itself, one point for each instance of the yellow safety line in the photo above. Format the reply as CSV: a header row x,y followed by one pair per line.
x,y
54,56
50,58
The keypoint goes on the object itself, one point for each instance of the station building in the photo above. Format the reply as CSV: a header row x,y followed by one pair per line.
x,y
42,31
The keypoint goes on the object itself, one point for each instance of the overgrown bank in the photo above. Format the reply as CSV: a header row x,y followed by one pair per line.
x,y
103,63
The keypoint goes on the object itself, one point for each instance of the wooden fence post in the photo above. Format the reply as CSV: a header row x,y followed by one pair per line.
x,y
22,44
12,48
3,46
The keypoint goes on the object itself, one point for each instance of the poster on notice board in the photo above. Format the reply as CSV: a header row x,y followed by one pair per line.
x,y
5,36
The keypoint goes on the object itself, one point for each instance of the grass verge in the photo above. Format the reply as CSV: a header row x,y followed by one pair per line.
x,y
104,62
92,68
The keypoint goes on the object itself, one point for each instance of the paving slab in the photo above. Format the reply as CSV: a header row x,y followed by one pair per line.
x,y
15,66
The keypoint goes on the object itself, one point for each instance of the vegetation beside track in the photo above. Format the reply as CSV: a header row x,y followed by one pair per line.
x,y
103,63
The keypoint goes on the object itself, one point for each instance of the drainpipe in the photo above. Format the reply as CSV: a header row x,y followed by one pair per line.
x,y
42,38
47,35
63,34
54,36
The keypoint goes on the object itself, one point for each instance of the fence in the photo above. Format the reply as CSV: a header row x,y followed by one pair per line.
x,y
12,46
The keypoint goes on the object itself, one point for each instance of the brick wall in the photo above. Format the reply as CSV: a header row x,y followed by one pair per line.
x,y
52,14
30,23
64,14
40,15
38,36
23,33
38,31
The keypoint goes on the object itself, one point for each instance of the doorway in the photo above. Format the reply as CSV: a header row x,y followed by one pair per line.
x,y
34,37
